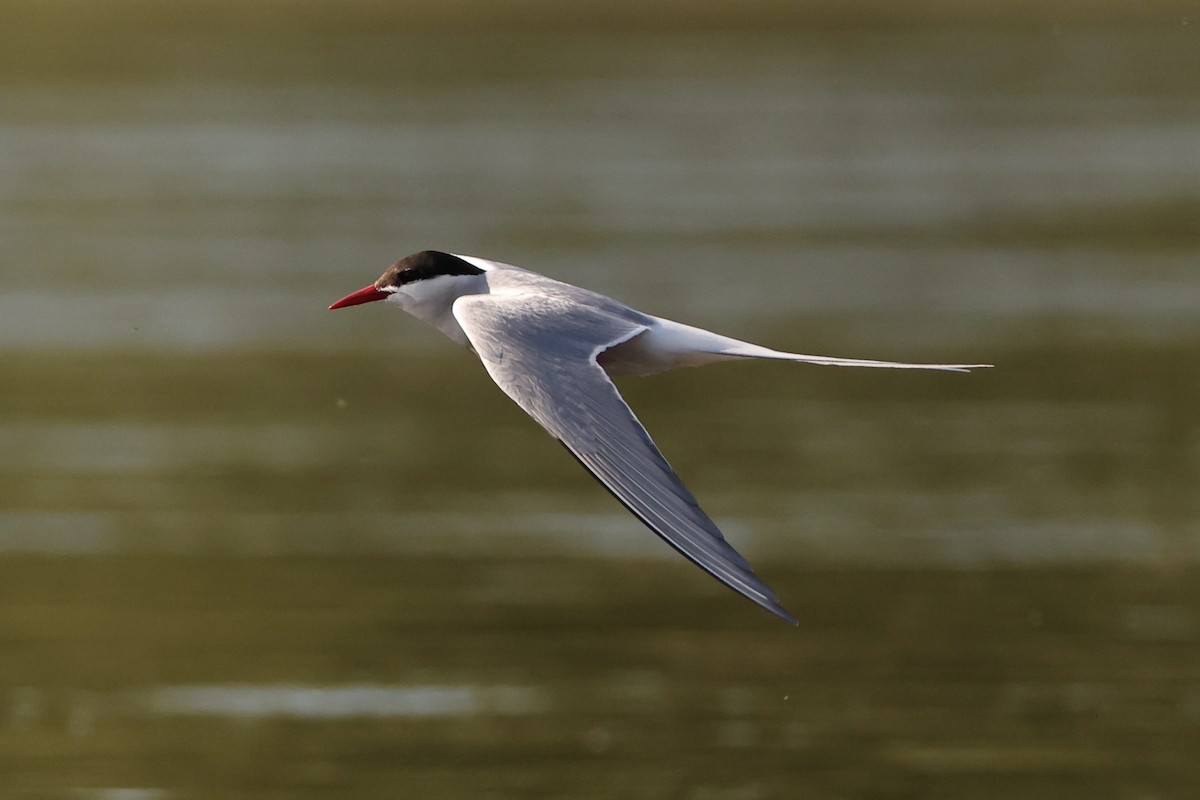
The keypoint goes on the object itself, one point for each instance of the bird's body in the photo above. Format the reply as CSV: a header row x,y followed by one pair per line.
x,y
552,346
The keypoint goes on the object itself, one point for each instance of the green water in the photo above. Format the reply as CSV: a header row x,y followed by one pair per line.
x,y
931,683
250,548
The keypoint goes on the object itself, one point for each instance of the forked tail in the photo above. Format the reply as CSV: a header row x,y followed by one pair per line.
x,y
754,351
676,344
860,362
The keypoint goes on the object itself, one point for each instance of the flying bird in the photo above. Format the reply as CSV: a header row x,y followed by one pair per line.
x,y
552,347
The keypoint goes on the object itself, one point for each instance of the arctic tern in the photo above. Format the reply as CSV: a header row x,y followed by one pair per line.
x,y
552,346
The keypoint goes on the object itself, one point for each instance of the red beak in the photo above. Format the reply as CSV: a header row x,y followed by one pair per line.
x,y
367,294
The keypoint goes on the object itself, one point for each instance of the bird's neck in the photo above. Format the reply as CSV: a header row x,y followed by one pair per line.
x,y
432,301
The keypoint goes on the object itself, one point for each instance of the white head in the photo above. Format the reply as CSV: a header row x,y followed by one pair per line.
x,y
425,284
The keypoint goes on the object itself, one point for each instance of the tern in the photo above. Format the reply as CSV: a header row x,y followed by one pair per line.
x,y
553,347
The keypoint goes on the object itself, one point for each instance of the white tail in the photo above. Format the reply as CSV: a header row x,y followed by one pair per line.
x,y
669,345
754,351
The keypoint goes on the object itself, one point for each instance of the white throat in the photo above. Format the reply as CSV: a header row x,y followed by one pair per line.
x,y
432,300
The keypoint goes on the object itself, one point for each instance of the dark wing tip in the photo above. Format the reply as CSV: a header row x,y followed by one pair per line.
x,y
784,615
768,602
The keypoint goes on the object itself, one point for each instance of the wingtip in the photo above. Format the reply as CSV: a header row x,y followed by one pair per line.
x,y
783,614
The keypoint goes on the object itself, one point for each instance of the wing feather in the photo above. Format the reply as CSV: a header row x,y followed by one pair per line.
x,y
542,352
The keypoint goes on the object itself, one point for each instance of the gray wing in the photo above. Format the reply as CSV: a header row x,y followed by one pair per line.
x,y
542,352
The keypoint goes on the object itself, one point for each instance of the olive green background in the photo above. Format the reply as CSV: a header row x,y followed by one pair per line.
x,y
251,548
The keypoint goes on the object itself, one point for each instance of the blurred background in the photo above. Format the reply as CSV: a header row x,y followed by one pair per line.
x,y
250,548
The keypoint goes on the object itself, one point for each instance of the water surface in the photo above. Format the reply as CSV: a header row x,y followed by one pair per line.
x,y
249,548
